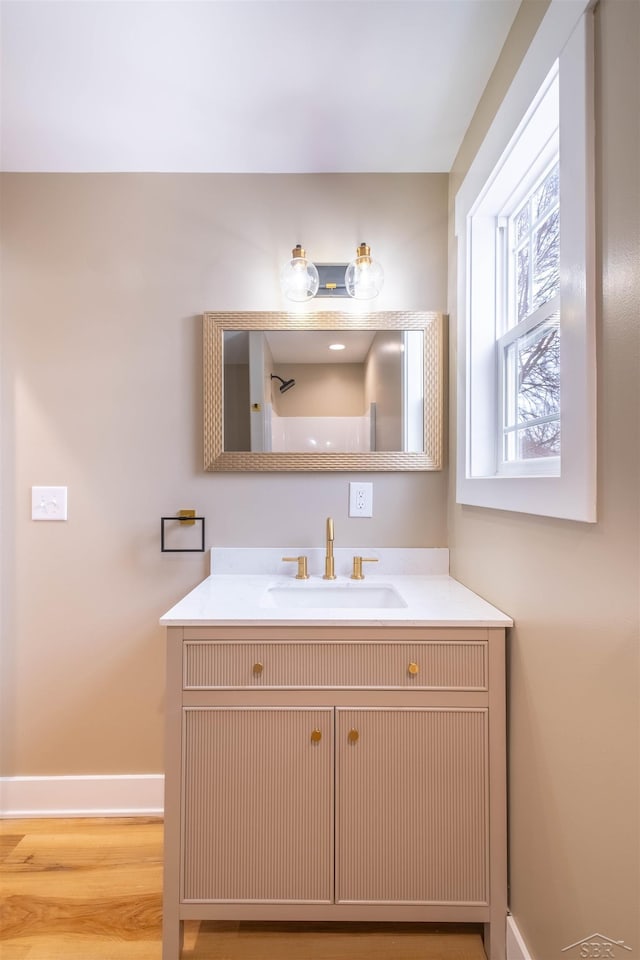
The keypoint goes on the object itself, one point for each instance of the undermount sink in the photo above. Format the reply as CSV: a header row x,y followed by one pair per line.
x,y
330,596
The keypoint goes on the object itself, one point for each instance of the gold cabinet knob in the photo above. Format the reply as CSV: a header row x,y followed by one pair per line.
x,y
258,668
414,669
353,736
316,735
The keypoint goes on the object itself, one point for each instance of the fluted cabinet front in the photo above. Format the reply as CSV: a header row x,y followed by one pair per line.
x,y
411,805
258,805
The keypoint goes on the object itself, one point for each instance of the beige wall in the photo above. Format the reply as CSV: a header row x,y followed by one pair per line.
x,y
104,281
573,589
321,390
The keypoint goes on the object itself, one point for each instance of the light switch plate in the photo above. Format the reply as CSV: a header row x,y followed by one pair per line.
x,y
48,503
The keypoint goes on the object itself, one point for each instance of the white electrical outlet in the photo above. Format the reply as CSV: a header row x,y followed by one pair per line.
x,y
48,503
360,499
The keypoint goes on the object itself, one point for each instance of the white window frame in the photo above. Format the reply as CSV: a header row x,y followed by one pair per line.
x,y
532,151
567,489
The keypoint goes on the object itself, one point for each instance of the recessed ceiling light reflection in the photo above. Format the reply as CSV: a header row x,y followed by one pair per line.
x,y
337,346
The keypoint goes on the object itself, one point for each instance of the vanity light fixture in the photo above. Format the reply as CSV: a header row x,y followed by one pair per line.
x,y
302,280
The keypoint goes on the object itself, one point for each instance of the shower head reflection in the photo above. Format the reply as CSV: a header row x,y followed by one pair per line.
x,y
284,384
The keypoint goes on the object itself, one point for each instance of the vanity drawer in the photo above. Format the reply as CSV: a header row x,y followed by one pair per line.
x,y
428,665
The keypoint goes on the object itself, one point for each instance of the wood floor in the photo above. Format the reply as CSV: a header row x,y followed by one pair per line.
x,y
91,890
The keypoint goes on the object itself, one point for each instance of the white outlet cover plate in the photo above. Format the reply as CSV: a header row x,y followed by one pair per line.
x,y
360,499
48,503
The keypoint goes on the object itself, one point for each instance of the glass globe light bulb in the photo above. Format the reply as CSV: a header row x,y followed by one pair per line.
x,y
364,277
299,278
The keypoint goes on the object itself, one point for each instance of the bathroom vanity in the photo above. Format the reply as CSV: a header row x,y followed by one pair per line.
x,y
335,751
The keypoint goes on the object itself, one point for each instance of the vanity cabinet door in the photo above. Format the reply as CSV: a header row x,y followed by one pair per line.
x,y
411,805
257,819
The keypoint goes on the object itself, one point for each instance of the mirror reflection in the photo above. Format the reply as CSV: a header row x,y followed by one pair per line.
x,y
323,391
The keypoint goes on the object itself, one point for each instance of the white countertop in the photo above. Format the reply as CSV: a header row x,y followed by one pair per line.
x,y
238,598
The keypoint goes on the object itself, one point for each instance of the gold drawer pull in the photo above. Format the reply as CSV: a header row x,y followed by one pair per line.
x,y
414,669
258,668
353,736
316,736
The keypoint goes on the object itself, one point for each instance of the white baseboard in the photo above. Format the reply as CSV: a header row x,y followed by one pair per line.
x,y
516,947
126,795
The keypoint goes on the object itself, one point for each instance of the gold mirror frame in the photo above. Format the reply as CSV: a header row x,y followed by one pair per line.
x,y
216,459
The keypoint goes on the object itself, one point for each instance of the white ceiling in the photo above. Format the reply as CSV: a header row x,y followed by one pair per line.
x,y
312,346
302,346
244,86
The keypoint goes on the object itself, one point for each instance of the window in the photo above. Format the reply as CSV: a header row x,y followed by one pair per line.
x,y
528,311
526,398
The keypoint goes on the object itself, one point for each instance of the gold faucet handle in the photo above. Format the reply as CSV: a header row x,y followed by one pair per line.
x,y
302,566
357,573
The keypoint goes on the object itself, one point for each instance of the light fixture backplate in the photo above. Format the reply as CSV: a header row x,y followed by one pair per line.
x,y
331,280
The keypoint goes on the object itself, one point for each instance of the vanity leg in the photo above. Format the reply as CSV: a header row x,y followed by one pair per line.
x,y
172,938
495,939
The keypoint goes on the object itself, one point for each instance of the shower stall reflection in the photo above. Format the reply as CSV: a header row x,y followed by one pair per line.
x,y
368,397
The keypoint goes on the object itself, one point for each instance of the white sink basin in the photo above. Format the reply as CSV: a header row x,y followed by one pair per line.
x,y
330,596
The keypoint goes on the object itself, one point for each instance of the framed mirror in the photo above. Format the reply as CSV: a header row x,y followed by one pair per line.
x,y
323,391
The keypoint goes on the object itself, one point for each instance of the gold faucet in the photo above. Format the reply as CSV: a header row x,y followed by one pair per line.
x,y
329,569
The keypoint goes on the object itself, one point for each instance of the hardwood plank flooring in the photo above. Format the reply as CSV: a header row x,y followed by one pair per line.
x,y
91,889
